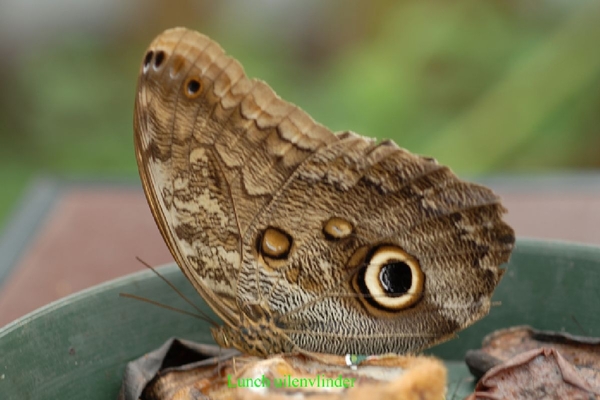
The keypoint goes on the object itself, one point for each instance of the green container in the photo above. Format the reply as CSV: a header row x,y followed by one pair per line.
x,y
77,347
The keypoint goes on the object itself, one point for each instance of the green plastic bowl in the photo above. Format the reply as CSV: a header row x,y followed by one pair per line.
x,y
77,347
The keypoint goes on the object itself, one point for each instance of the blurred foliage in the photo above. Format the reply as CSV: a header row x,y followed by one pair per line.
x,y
485,86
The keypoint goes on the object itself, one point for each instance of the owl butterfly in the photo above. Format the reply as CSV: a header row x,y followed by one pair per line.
x,y
298,238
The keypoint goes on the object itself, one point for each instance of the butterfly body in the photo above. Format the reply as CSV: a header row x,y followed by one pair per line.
x,y
298,238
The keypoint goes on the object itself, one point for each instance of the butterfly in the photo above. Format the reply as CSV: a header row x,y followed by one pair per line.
x,y
301,239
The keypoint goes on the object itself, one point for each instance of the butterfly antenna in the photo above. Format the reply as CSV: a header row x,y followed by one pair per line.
x,y
194,306
155,303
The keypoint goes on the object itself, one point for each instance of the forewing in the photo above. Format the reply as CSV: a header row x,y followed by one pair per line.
x,y
212,148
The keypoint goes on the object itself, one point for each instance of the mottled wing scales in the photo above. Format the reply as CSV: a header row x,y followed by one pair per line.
x,y
209,161
390,196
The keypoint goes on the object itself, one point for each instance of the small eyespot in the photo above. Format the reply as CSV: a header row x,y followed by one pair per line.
x,y
177,64
391,279
337,228
148,59
193,88
160,57
275,244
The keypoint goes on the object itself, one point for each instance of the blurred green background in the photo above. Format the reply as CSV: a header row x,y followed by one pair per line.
x,y
488,87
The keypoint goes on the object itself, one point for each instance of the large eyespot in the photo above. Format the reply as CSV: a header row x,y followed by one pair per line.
x,y
390,279
337,228
192,88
